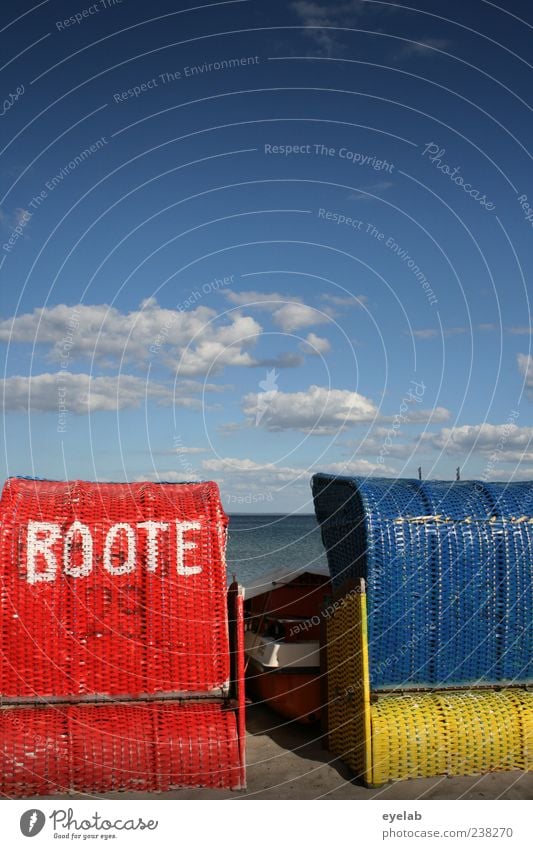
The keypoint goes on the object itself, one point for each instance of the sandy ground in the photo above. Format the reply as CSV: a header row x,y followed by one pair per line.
x,y
287,761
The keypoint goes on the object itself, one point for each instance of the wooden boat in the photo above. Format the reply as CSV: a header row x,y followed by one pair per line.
x,y
283,616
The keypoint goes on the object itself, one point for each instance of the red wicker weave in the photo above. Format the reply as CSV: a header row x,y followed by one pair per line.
x,y
149,747
148,630
94,601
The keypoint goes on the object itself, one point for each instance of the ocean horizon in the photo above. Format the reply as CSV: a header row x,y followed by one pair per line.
x,y
258,543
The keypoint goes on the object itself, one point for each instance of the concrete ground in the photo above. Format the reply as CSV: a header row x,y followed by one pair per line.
x,y
287,761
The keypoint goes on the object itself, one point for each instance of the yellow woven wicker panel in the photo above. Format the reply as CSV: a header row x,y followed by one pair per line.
x,y
484,732
465,733
408,738
398,736
524,704
348,685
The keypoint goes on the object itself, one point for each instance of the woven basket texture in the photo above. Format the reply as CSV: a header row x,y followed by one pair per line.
x,y
398,736
448,568
150,747
108,611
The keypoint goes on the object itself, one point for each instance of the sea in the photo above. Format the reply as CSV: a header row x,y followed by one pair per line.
x,y
259,543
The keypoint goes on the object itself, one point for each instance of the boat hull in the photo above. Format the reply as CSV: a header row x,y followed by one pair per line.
x,y
295,695
278,654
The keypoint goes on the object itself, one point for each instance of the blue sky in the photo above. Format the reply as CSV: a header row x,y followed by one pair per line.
x,y
253,240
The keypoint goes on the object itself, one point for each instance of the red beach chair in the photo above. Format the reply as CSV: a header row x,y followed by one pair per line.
x,y
121,653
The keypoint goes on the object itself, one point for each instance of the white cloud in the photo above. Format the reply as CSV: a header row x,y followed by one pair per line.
x,y
19,217
285,359
346,300
277,487
366,193
294,316
219,347
381,441
432,332
288,312
426,333
255,299
255,479
82,393
313,14
434,415
508,440
234,471
179,450
197,386
228,428
357,467
521,473
203,342
315,345
169,476
318,410
234,465
427,47
525,365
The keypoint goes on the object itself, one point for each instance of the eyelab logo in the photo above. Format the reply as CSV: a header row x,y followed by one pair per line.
x,y
32,822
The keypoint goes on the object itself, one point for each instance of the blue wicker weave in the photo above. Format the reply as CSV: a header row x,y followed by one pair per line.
x,y
448,569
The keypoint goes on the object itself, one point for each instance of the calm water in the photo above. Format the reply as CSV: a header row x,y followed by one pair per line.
x,y
257,544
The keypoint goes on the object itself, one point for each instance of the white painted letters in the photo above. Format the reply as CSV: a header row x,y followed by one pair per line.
x,y
129,563
86,547
185,545
51,546
39,544
152,530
